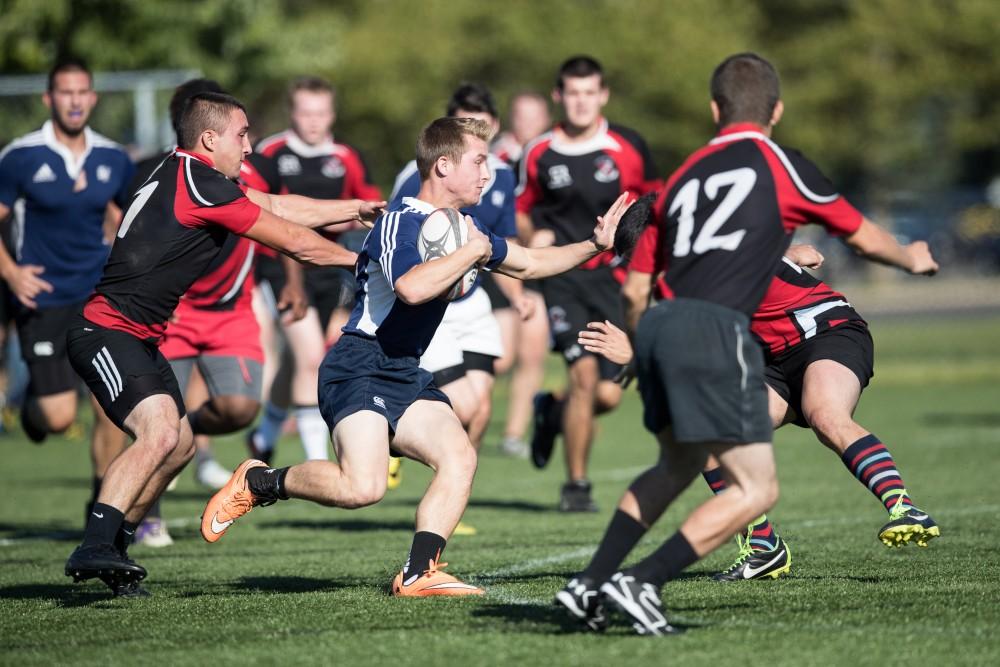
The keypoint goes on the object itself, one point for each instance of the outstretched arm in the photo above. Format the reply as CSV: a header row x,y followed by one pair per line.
x,y
298,242
528,263
316,212
877,244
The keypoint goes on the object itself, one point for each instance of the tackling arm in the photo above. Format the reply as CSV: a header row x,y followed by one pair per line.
x,y
877,244
298,242
316,212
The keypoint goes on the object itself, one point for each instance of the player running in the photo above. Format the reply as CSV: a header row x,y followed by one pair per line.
x,y
312,163
60,182
175,226
725,218
373,393
819,358
568,176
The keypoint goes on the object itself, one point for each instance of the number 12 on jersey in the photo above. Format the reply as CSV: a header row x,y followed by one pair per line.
x,y
740,182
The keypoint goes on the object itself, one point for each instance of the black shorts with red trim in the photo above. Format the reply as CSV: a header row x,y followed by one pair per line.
x,y
849,344
120,369
575,298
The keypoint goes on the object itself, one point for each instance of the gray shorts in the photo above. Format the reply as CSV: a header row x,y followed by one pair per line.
x,y
701,372
225,376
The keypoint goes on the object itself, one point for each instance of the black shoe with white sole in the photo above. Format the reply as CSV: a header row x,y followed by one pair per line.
x,y
640,602
758,564
582,600
102,561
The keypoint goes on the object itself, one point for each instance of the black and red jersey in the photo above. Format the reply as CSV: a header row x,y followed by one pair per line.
x,y
328,170
725,218
565,186
177,223
796,307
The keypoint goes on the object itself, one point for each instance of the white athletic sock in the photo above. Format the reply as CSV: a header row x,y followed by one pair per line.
x,y
314,432
269,428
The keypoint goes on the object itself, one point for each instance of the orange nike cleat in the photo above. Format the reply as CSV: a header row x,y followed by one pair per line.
x,y
432,582
231,502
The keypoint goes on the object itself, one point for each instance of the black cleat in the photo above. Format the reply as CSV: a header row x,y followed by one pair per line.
x,y
575,497
100,561
34,433
255,451
543,440
584,603
124,587
908,523
758,564
640,602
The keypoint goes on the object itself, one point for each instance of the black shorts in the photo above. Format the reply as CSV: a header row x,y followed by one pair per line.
x,y
119,369
701,372
575,298
329,288
849,344
270,273
43,345
498,300
357,375
471,361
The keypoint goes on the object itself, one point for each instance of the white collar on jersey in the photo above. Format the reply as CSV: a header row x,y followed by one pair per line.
x,y
302,149
73,165
418,204
600,141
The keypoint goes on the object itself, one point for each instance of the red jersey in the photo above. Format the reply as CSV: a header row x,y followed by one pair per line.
x,y
565,186
176,225
726,216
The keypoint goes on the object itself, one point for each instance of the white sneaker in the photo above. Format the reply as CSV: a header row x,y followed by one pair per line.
x,y
153,533
515,448
209,473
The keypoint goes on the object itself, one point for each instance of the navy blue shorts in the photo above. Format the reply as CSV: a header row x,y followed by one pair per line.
x,y
357,375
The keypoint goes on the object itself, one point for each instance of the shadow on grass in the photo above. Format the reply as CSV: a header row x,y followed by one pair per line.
x,y
543,619
66,595
962,419
13,531
514,505
342,525
268,584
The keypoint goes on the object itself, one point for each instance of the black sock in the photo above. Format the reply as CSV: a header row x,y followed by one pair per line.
x,y
666,562
123,540
193,422
426,547
622,535
267,483
103,525
555,412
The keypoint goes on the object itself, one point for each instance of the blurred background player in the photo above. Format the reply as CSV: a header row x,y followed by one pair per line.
x,y
569,176
526,340
468,341
311,163
65,185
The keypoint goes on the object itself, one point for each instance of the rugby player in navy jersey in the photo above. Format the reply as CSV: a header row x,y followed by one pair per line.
x,y
174,227
373,393
568,176
60,182
469,340
819,357
724,219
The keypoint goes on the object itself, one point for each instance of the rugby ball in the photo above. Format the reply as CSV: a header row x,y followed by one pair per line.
x,y
443,232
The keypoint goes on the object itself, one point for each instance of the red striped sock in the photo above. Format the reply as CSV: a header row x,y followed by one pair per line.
x,y
871,463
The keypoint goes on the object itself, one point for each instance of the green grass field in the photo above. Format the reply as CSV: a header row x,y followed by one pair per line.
x,y
297,583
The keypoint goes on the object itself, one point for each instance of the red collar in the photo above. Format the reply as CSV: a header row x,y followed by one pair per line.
x,y
197,156
741,127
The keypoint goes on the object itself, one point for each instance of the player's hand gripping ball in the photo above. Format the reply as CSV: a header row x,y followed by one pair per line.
x,y
443,232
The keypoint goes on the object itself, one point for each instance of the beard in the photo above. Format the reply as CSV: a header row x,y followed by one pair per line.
x,y
65,129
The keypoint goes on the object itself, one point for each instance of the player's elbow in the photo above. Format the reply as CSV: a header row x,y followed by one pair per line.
x,y
411,291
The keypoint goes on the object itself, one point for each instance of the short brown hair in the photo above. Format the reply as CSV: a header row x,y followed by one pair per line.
x,y
745,88
445,137
68,64
205,111
311,84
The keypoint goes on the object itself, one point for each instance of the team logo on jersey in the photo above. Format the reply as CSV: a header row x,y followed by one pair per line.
x,y
557,320
44,174
289,165
43,348
103,173
496,198
559,177
333,167
606,171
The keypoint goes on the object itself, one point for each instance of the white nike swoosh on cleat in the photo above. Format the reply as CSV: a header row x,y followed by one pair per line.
x,y
453,584
751,572
219,527
919,517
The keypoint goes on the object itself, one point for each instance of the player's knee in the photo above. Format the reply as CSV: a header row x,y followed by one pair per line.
x,y
240,410
365,492
609,395
164,441
827,423
584,377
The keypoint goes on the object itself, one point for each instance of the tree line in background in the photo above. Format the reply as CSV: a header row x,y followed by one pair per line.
x,y
885,94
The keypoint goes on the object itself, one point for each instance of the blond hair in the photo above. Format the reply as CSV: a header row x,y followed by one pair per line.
x,y
445,137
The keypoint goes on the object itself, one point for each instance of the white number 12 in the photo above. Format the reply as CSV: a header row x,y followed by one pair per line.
x,y
741,182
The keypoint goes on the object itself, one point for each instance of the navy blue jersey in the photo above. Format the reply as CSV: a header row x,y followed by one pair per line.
x,y
495,210
59,204
390,250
